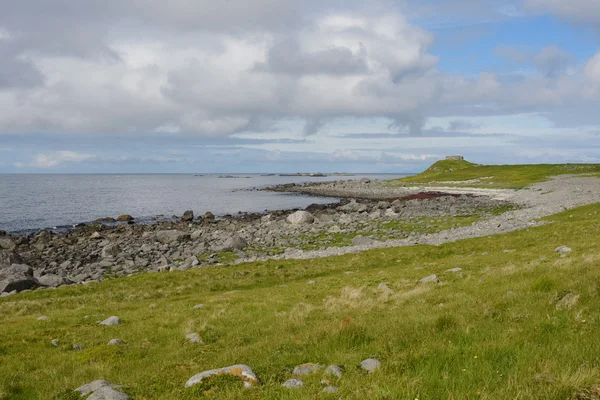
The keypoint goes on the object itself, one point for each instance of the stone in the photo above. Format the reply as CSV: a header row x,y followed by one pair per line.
x,y
334,370
430,279
266,218
52,280
300,218
54,342
112,250
43,318
331,389
563,249
188,216
96,235
307,369
242,371
234,242
9,257
208,216
17,277
362,241
111,321
197,234
107,219
189,263
198,306
77,347
370,365
568,301
108,393
194,338
384,287
293,384
125,218
352,206
2,232
91,387
454,270
115,342
172,236
7,244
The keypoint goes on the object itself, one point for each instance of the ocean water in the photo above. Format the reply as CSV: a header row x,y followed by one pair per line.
x,y
33,202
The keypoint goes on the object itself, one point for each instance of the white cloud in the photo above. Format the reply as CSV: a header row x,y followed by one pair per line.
x,y
49,160
578,10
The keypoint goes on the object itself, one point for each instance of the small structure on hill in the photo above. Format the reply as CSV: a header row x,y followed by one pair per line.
x,y
455,158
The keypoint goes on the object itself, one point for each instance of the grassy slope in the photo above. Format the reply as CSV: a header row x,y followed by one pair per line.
x,y
495,176
492,334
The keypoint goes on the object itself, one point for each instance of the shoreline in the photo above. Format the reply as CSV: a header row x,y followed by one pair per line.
x,y
360,221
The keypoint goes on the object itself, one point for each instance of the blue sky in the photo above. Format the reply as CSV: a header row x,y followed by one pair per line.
x,y
286,86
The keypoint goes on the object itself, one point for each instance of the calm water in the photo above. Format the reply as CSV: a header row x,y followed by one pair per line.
x,y
31,202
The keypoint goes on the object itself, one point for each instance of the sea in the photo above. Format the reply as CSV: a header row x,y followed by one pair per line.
x,y
29,203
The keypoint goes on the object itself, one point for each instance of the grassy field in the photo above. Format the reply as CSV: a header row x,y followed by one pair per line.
x,y
493,332
464,173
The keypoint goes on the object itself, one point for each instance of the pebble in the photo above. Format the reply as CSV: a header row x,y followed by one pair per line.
x,y
111,321
293,384
370,365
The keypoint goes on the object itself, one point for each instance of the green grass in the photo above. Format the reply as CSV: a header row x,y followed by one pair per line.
x,y
493,176
492,333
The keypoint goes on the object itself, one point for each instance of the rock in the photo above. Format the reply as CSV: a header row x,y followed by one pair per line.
x,y
194,338
454,270
370,365
244,372
334,370
563,249
266,218
111,321
54,342
384,287
43,318
7,244
362,241
234,242
189,263
307,369
198,306
300,218
125,218
353,206
77,347
430,279
293,384
188,216
51,280
208,216
108,393
112,250
172,236
115,342
197,234
9,257
17,277
92,387
108,219
331,389
2,232
568,301
96,235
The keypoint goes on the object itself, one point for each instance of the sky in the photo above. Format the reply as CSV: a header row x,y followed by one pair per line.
x,y
260,86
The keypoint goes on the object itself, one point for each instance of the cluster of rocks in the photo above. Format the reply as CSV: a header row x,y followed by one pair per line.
x,y
92,252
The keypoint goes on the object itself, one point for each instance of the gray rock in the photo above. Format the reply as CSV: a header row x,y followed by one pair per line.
x,y
198,306
331,389
197,234
563,249
234,242
9,257
189,263
194,338
112,250
7,244
293,384
54,342
384,287
17,277
188,216
370,365
125,218
173,236
111,321
96,235
52,280
430,279
77,347
362,241
108,393
334,370
244,372
568,301
300,218
115,342
307,369
353,206
208,216
92,387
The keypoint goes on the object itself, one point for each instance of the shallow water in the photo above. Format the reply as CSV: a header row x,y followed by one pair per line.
x,y
32,202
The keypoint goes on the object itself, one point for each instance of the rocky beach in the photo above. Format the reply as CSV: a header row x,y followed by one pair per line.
x,y
371,214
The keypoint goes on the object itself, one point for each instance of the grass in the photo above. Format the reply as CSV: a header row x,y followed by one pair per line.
x,y
493,332
466,174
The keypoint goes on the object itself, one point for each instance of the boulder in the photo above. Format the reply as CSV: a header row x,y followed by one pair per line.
x,y
8,257
208,216
293,384
172,236
567,302
7,244
234,242
189,263
243,372
125,218
2,232
112,250
563,249
307,369
194,338
91,387
362,241
331,389
108,393
301,217
109,219
353,206
52,280
17,277
111,321
115,342
334,370
188,216
370,365
96,235
430,279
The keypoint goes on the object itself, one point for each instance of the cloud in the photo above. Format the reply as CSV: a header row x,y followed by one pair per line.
x,y
578,10
57,158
